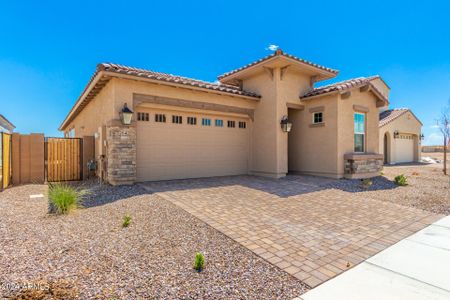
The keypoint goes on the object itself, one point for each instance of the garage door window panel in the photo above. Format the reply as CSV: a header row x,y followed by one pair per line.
x,y
192,120
206,122
160,118
177,119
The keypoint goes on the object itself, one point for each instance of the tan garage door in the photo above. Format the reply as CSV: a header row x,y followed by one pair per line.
x,y
167,150
404,149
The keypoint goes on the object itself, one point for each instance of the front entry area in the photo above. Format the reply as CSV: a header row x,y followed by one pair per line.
x,y
182,144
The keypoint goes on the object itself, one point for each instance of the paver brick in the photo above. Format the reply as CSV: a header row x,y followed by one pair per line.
x,y
296,223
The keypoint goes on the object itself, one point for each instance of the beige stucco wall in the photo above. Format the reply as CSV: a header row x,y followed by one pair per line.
x,y
345,125
312,149
405,124
381,86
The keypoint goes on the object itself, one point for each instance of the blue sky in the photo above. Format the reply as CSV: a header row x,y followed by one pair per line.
x,y
49,49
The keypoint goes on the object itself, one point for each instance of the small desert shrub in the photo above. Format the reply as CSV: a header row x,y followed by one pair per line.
x,y
63,198
199,261
415,173
401,180
381,173
366,183
126,221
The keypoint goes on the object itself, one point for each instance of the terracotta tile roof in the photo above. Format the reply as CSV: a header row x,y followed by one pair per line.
x,y
342,86
175,79
390,115
279,52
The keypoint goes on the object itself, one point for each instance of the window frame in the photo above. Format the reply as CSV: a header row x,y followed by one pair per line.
x,y
206,122
242,124
355,132
231,124
314,117
218,123
191,120
160,120
177,119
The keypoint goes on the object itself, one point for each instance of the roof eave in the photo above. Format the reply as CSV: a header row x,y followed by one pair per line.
x,y
326,74
101,72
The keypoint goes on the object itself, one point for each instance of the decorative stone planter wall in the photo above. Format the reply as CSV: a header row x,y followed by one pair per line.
x,y
362,165
121,153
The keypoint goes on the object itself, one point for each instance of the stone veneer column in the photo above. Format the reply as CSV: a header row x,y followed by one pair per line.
x,y
121,153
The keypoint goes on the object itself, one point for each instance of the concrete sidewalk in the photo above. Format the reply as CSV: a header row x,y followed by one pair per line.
x,y
417,267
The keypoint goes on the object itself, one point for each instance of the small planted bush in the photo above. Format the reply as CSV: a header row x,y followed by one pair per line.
x,y
199,261
401,180
126,221
366,183
64,198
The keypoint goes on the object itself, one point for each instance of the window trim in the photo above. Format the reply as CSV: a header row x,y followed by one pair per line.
x,y
162,120
314,117
191,121
206,122
177,119
363,133
218,122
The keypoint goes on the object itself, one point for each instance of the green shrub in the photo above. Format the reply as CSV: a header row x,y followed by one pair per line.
x,y
366,182
126,220
401,180
381,173
63,198
199,261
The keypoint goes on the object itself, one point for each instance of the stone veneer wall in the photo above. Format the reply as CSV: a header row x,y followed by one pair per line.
x,y
362,165
121,153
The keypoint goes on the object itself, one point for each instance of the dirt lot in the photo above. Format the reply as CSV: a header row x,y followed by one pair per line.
x,y
87,254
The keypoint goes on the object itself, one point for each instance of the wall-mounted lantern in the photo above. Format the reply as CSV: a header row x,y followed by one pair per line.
x,y
286,126
396,134
126,115
422,137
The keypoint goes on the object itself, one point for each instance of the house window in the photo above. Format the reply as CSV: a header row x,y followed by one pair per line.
x,y
231,124
177,119
71,133
192,120
143,116
317,117
161,118
219,123
206,122
242,124
360,131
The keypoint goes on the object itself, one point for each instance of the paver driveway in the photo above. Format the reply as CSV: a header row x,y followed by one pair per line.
x,y
297,223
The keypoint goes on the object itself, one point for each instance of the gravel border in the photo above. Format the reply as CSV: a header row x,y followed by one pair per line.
x,y
87,254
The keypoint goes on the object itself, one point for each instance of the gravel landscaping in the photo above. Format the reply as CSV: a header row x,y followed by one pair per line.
x,y
87,254
428,188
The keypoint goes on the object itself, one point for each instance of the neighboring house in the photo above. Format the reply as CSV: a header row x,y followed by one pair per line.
x,y
187,128
5,125
400,136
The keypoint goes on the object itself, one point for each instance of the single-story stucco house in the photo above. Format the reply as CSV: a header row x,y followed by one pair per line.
x,y
266,118
400,136
5,125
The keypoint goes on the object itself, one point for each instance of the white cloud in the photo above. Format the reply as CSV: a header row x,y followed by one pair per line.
x,y
434,139
272,47
434,126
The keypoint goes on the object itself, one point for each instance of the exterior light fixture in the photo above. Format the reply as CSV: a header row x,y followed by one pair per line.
x,y
126,115
286,126
396,134
422,136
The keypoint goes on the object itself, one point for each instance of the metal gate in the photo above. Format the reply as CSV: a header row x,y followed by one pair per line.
x,y
64,159
5,160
